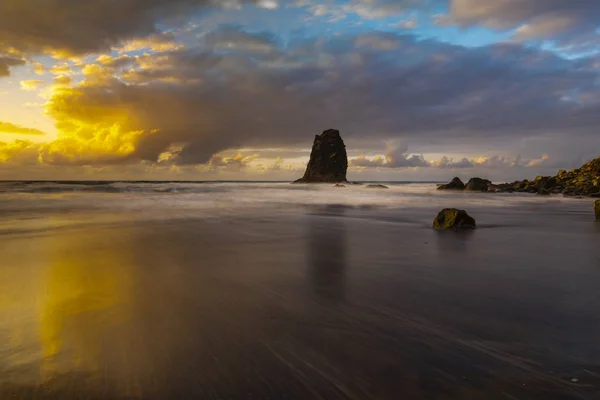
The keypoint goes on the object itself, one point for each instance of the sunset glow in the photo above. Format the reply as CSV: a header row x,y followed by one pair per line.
x,y
207,89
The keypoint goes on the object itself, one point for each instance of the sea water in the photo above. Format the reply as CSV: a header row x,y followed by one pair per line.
x,y
259,290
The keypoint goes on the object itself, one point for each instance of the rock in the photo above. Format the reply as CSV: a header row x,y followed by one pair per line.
x,y
597,209
455,184
452,218
581,181
477,185
376,187
328,160
339,185
543,192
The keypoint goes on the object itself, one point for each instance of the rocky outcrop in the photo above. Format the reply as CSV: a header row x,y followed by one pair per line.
x,y
456,184
597,209
376,187
452,218
328,159
584,181
477,185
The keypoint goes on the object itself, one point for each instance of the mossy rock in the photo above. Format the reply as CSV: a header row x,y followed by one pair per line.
x,y
597,209
452,218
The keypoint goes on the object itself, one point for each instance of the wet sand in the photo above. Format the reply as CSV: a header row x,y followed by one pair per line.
x,y
316,302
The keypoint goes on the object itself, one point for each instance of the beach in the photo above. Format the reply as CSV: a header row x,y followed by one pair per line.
x,y
277,291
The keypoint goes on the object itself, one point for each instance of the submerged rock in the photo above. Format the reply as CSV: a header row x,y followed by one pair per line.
x,y
455,184
478,185
452,218
328,159
597,209
339,185
377,187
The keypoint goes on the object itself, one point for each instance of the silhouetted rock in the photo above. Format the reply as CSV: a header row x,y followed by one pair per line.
x,y
477,185
456,184
597,209
582,181
328,159
377,187
452,218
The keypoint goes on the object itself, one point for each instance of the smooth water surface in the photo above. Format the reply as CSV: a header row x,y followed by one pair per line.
x,y
278,291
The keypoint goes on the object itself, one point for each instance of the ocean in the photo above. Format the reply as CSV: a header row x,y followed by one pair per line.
x,y
267,290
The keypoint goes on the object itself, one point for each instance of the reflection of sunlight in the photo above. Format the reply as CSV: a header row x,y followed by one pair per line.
x,y
81,288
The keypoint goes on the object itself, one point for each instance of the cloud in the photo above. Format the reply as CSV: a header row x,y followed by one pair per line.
x,y
163,41
561,20
411,23
7,127
446,162
73,27
31,85
196,102
62,69
235,163
19,153
396,156
364,9
230,37
6,62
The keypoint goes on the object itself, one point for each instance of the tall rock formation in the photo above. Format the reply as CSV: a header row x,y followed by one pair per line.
x,y
328,159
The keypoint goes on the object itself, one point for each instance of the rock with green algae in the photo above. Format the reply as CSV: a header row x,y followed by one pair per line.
x,y
597,209
583,181
452,218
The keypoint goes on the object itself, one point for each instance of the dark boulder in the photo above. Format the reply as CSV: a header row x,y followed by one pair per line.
x,y
597,209
376,187
478,185
455,184
452,218
328,159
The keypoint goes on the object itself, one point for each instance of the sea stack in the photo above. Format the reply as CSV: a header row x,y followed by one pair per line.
x,y
328,159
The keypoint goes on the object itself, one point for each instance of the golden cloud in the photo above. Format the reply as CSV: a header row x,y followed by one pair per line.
x,y
19,152
62,69
31,85
7,127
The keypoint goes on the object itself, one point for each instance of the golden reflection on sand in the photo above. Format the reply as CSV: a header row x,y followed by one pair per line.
x,y
66,308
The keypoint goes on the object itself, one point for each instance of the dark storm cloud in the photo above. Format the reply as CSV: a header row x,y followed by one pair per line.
x,y
426,91
6,62
80,26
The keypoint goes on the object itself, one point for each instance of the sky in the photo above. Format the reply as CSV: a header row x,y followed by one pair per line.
x,y
235,90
